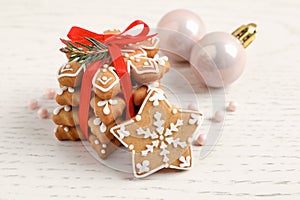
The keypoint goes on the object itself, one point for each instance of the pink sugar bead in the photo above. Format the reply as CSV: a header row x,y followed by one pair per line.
x,y
219,116
33,104
200,140
231,106
50,93
43,113
192,106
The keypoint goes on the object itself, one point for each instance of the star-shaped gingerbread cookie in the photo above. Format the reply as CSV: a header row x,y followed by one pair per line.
x,y
159,136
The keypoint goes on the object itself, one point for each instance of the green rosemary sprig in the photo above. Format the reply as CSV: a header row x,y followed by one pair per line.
x,y
86,53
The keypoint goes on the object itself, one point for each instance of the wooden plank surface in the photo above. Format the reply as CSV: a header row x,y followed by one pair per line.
x,y
256,157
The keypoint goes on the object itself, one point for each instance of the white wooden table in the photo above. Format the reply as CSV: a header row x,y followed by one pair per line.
x,y
257,156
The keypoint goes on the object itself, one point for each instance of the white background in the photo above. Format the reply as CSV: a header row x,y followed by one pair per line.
x,y
257,156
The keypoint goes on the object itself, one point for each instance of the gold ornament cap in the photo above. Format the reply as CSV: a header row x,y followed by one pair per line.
x,y
245,34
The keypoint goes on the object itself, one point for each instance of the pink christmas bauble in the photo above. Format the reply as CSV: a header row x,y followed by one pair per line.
x,y
218,59
178,31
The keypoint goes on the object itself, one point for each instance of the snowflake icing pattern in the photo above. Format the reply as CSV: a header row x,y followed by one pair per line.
x,y
162,137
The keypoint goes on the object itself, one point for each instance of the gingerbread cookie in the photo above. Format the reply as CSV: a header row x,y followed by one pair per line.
x,y
150,46
70,74
144,69
106,82
103,150
67,133
68,96
65,115
140,93
159,136
99,129
108,110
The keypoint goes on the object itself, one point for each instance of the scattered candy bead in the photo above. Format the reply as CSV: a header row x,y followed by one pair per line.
x,y
33,104
192,106
50,93
200,140
231,106
43,113
219,116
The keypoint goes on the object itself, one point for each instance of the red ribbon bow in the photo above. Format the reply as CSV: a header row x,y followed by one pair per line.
x,y
114,43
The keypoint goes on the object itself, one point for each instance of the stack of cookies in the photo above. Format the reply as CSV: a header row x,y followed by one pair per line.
x,y
65,116
107,106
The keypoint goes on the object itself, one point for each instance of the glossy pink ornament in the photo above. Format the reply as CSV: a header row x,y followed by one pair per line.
x,y
178,31
219,58
43,113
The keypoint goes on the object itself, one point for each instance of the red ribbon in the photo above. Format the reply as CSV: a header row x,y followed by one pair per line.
x,y
114,43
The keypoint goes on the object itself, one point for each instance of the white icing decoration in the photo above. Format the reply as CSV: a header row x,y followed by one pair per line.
x,y
114,83
104,145
97,121
154,41
185,162
103,151
147,133
96,142
164,152
195,119
105,66
158,96
122,132
66,67
60,91
67,108
174,111
66,129
102,127
71,90
152,85
138,117
131,147
150,64
124,51
143,167
104,80
176,142
105,103
161,137
82,67
57,110
149,148
161,60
